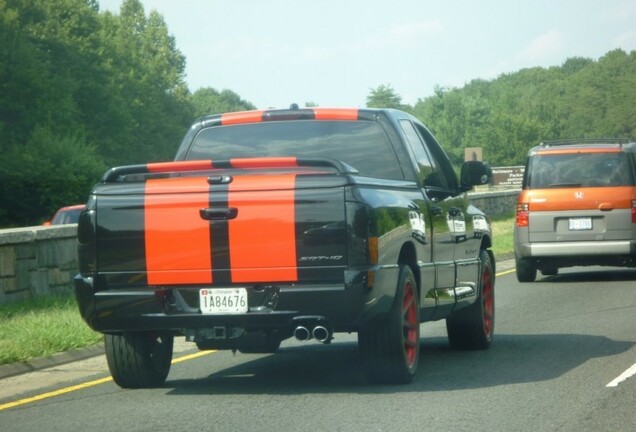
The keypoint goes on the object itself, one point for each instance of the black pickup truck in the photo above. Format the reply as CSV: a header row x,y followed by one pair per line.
x,y
287,223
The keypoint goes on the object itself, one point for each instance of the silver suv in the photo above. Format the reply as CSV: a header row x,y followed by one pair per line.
x,y
577,207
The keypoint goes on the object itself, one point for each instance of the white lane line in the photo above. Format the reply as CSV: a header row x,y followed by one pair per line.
x,y
622,377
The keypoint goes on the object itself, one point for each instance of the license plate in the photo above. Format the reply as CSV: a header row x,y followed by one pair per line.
x,y
579,224
223,300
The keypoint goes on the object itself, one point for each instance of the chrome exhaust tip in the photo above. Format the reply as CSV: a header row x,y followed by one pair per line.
x,y
302,333
321,334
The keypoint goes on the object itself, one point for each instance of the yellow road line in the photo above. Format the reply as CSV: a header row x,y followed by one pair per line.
x,y
505,272
192,356
54,393
88,384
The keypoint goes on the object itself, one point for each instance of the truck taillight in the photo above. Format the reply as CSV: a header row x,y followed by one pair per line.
x,y
372,243
634,211
86,239
86,227
373,250
522,219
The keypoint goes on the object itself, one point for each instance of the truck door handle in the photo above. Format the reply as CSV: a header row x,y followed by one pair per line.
x,y
219,179
220,213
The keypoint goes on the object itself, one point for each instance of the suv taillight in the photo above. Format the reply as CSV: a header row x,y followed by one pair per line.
x,y
523,214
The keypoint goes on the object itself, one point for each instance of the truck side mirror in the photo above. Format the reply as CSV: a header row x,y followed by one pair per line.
x,y
474,173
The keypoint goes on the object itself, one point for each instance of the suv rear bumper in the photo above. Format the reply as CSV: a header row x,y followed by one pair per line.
x,y
571,254
579,248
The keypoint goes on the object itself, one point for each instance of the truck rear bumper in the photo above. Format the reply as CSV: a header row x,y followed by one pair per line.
x,y
344,306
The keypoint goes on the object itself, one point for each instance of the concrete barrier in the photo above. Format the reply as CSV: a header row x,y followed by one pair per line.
x,y
495,202
39,261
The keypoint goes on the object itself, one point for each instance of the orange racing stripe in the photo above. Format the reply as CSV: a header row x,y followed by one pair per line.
x,y
177,239
336,114
179,166
242,117
264,162
262,237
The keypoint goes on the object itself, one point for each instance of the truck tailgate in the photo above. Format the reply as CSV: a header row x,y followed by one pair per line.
x,y
247,228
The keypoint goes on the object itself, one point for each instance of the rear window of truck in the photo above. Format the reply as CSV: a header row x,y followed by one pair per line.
x,y
362,144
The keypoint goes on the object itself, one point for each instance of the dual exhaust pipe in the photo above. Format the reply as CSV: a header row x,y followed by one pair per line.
x,y
321,333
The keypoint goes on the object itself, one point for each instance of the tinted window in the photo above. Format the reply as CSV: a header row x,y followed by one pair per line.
x,y
422,158
444,174
579,170
361,144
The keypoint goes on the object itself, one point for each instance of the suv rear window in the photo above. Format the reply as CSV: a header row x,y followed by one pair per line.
x,y
598,169
362,144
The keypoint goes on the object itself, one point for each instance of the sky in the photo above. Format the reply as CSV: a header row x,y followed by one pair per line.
x,y
333,52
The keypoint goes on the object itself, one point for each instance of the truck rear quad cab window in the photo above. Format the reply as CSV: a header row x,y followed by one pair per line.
x,y
362,144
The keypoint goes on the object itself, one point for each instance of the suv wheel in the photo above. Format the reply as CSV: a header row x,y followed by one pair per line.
x,y
526,270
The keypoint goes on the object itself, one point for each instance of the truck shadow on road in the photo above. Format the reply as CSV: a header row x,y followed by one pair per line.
x,y
336,368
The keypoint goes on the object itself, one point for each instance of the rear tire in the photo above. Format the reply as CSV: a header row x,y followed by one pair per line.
x,y
473,327
390,349
139,359
526,271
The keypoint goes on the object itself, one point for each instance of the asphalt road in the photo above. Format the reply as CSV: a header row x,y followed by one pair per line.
x,y
561,361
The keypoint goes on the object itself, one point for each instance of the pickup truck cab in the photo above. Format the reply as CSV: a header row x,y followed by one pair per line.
x,y
287,223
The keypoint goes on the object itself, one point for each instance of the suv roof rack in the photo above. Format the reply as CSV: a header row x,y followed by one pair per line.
x,y
576,141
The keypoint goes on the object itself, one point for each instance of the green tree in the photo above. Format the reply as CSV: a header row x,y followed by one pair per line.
x,y
207,101
108,86
597,98
149,108
384,96
51,171
575,64
43,69
508,115
456,118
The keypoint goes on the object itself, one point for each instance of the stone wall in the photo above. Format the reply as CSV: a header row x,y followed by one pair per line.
x,y
38,261
496,203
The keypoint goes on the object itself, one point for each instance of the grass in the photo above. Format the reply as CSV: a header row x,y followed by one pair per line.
x,y
48,325
502,243
41,327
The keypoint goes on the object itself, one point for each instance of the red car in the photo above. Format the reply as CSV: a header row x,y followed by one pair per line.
x,y
66,215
